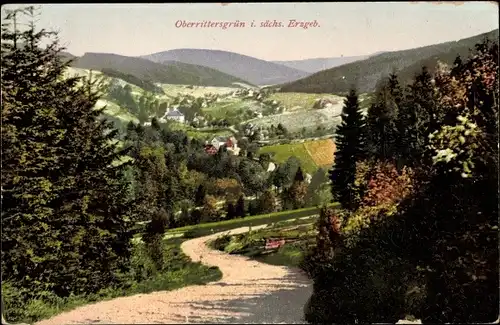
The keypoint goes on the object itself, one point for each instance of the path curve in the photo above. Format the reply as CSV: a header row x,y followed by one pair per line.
x,y
249,292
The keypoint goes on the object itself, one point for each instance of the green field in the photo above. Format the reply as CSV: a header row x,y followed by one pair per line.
x,y
304,100
113,109
196,91
299,236
284,151
234,110
214,227
199,134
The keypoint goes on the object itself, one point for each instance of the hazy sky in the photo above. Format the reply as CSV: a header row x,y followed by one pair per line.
x,y
344,28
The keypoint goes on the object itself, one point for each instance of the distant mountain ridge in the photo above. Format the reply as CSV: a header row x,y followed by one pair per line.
x,y
170,72
318,64
256,71
365,74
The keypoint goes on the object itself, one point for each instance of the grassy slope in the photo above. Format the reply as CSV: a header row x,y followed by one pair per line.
x,y
231,109
214,227
112,109
321,151
283,151
303,152
366,73
300,233
171,72
199,134
196,91
303,100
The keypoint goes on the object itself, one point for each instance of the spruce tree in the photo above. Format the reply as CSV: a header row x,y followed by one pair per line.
x,y
231,211
350,143
299,175
382,119
267,202
200,195
457,67
422,91
64,189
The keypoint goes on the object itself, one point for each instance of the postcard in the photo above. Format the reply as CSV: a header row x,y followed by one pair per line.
x,y
260,163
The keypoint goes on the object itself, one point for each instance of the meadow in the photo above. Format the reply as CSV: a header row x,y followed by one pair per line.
x,y
196,91
301,101
321,151
299,236
312,154
297,120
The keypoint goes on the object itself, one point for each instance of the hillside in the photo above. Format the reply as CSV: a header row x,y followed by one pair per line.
x,y
319,64
312,154
169,73
366,73
256,71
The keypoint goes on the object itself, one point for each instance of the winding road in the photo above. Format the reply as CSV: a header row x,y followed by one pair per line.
x,y
249,292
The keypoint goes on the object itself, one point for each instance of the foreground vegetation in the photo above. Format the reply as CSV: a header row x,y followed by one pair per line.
x,y
417,181
143,277
215,227
75,185
299,236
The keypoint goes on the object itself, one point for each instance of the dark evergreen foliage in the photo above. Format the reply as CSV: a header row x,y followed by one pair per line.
x,y
65,219
350,143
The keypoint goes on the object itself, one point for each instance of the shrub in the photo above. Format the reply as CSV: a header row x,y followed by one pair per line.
x,y
221,242
353,255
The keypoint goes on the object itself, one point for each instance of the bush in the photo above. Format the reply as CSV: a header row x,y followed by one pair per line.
x,y
354,253
221,242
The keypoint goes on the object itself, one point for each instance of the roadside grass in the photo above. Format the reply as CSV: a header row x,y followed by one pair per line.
x,y
205,229
299,235
284,151
179,271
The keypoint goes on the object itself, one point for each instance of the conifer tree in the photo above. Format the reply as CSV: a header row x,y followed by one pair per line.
x,y
200,195
267,202
299,175
63,185
422,96
230,212
457,66
240,207
381,120
350,142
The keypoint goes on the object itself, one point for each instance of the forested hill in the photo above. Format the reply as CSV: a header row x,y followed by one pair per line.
x,y
256,71
168,72
365,74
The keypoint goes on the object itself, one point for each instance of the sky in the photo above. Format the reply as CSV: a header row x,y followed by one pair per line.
x,y
343,28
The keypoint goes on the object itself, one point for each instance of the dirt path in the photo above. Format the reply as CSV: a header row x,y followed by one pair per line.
x,y
249,292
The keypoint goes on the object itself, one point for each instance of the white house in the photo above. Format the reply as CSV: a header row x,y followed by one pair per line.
x,y
231,144
175,115
218,142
